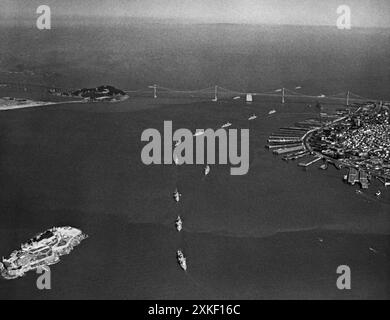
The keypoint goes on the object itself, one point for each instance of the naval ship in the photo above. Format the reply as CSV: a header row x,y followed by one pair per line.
x,y
42,250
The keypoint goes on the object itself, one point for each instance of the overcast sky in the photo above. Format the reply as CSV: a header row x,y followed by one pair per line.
x,y
365,13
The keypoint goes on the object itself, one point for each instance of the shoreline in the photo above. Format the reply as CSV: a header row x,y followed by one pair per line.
x,y
29,105
35,104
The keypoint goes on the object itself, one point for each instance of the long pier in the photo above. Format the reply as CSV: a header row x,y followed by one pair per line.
x,y
307,164
293,141
289,150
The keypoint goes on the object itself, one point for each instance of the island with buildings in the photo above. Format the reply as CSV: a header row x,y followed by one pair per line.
x,y
43,250
104,93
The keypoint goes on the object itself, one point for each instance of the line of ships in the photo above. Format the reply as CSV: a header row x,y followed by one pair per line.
x,y
181,259
46,248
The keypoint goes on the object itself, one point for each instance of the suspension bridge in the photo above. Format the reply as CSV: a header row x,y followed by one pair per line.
x,y
216,93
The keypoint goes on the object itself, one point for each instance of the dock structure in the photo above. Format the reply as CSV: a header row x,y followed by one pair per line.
x,y
285,140
281,135
296,155
309,162
297,130
288,141
289,150
293,128
280,146
363,177
291,133
353,176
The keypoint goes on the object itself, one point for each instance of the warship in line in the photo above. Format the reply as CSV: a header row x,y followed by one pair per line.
x,y
179,224
182,260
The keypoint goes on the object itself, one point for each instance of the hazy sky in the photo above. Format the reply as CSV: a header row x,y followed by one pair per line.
x,y
365,13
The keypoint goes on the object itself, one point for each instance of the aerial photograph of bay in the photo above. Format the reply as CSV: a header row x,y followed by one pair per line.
x,y
194,150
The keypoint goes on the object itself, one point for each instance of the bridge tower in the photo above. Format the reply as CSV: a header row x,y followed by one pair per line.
x,y
155,91
154,87
215,94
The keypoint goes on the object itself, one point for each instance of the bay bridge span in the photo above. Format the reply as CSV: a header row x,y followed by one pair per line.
x,y
214,93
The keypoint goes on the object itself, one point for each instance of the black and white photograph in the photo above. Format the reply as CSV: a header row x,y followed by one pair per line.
x,y
194,150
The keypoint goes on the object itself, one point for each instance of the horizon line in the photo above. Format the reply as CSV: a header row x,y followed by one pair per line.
x,y
184,21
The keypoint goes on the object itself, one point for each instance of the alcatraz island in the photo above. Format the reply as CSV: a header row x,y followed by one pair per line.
x,y
356,138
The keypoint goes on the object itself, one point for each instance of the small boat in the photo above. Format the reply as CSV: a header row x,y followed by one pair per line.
x,y
207,170
182,260
373,250
176,195
322,96
199,133
226,125
359,192
378,194
252,117
297,88
237,98
179,224
272,112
